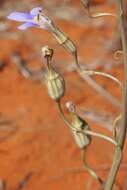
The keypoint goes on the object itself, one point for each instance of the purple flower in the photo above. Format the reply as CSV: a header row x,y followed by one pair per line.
x,y
35,18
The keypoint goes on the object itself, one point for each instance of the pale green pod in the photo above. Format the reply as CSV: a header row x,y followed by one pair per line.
x,y
81,139
64,40
55,85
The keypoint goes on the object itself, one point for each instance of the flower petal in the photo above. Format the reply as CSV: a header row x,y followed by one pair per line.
x,y
19,16
27,25
35,11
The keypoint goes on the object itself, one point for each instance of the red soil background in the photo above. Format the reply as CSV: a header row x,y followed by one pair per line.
x,y
36,147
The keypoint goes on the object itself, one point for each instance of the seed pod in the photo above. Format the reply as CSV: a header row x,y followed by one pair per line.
x,y
82,140
55,84
64,40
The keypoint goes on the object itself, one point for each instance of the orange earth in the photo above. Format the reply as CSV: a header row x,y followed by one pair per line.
x,y
37,150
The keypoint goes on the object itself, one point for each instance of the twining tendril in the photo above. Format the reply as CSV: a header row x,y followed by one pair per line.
x,y
116,125
117,54
86,4
92,72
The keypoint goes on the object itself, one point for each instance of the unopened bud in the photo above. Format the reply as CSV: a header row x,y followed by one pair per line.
x,y
55,85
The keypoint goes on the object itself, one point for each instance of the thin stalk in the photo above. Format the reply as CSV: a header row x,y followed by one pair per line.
x,y
121,138
89,169
86,5
95,85
91,72
88,132
66,121
83,153
115,125
97,15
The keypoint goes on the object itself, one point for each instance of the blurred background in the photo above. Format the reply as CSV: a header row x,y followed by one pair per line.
x,y
37,150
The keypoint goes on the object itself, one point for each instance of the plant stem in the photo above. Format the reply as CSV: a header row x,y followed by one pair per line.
x,y
121,139
123,24
99,89
88,132
83,152
92,72
89,169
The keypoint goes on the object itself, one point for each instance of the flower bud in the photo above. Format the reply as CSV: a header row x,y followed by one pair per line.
x,y
55,85
81,139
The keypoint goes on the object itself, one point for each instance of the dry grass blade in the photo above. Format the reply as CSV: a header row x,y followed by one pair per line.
x,y
103,167
24,181
101,91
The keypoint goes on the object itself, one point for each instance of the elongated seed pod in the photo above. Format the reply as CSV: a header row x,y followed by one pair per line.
x,y
55,84
64,40
81,139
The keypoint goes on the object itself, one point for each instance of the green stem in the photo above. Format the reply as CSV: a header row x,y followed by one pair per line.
x,y
121,139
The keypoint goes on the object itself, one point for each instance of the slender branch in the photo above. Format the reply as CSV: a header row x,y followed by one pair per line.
x,y
89,169
95,85
92,72
83,153
86,5
101,136
123,24
62,114
78,170
115,125
121,139
97,15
